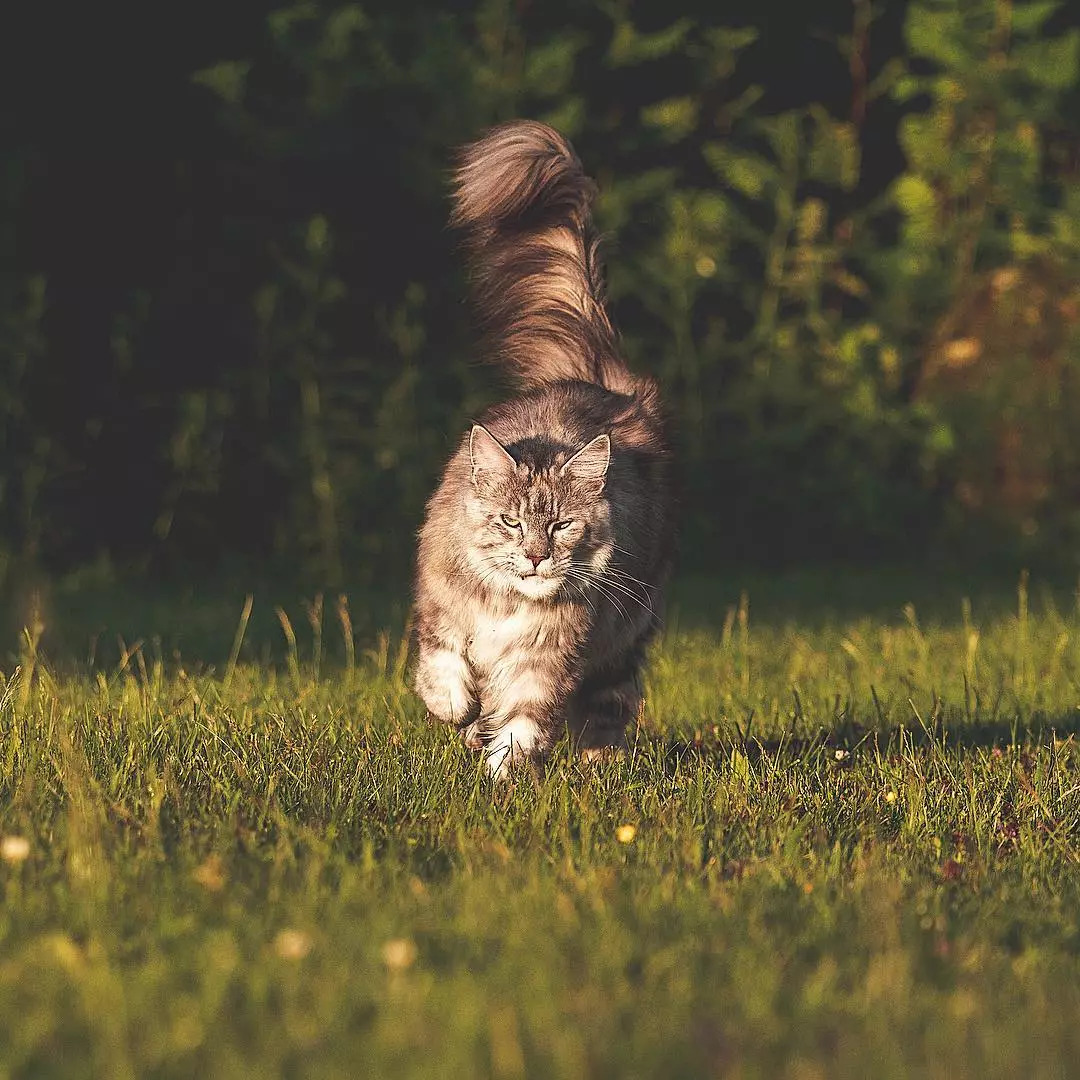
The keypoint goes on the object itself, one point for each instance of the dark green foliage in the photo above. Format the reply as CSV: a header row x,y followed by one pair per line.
x,y
232,320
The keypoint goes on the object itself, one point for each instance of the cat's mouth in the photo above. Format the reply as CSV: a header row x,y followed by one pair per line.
x,y
537,586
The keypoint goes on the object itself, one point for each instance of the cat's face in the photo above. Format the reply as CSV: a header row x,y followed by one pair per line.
x,y
534,531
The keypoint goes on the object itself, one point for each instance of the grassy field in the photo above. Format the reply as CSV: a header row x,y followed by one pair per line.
x,y
846,843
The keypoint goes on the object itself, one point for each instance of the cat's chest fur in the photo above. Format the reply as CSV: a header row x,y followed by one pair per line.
x,y
498,639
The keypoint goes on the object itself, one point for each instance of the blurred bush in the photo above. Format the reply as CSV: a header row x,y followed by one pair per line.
x,y
847,239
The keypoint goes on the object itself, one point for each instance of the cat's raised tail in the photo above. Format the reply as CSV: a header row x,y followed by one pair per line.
x,y
523,204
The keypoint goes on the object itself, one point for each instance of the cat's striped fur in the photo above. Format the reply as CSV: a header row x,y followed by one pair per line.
x,y
547,544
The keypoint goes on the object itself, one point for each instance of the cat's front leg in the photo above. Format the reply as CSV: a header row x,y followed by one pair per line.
x,y
444,682
526,716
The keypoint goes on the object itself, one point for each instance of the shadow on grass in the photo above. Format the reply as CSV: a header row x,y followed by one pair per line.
x,y
848,738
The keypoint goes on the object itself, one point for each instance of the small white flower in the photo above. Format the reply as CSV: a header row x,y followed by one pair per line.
x,y
840,755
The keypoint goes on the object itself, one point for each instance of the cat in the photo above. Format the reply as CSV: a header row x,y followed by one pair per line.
x,y
547,545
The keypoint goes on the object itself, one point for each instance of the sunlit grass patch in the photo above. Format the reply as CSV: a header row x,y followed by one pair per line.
x,y
842,848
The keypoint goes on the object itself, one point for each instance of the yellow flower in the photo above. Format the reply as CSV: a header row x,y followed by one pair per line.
x,y
625,834
890,796
14,849
399,954
292,944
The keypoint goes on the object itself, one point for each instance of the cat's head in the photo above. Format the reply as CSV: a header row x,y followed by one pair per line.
x,y
538,518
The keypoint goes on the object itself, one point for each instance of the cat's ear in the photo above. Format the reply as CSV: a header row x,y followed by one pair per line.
x,y
489,457
590,464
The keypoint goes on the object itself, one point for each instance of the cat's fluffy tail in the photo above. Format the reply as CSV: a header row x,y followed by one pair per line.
x,y
522,201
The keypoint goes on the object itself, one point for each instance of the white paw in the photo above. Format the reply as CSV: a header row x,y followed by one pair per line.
x,y
514,742
443,684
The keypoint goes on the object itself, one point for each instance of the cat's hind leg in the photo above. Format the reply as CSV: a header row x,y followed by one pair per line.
x,y
603,708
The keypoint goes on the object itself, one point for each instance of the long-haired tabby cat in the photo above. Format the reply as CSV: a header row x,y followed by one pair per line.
x,y
547,544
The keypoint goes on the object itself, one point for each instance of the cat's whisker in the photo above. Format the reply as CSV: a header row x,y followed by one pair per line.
x,y
492,576
632,589
586,599
641,603
612,598
628,592
588,603
625,576
618,571
582,577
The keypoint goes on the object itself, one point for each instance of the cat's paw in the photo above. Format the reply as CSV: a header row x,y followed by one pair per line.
x,y
603,753
460,712
516,742
601,745
442,681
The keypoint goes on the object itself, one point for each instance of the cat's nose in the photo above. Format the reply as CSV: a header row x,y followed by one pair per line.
x,y
536,560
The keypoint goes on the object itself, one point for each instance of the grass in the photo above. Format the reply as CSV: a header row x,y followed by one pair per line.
x,y
845,844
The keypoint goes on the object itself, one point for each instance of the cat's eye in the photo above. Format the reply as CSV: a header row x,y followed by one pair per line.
x,y
560,525
511,522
